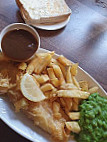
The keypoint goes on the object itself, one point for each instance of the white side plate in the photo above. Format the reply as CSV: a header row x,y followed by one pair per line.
x,y
22,125
55,26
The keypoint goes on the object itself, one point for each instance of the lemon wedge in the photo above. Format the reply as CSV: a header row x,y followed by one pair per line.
x,y
30,89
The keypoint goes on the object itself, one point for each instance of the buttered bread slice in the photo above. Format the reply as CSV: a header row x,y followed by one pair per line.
x,y
44,11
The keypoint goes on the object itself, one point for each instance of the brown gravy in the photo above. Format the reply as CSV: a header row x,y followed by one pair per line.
x,y
19,44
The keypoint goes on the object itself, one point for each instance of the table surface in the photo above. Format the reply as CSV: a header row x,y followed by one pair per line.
x,y
83,40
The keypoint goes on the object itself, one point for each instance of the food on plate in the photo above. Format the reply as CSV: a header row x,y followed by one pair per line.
x,y
68,86
72,94
22,66
84,85
74,115
69,75
74,69
41,79
54,80
93,119
44,11
59,74
30,89
19,44
73,126
47,87
47,91
64,61
93,89
38,64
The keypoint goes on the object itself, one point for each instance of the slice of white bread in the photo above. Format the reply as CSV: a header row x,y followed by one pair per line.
x,y
43,11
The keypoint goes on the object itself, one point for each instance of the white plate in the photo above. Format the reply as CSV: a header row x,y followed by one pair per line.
x,y
55,26
22,125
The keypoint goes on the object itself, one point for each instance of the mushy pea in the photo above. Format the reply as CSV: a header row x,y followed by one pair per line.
x,y
93,119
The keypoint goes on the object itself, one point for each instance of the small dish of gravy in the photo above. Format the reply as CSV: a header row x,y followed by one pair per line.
x,y
19,42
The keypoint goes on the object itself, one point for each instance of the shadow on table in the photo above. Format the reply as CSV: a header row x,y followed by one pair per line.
x,y
95,33
4,21
19,17
51,33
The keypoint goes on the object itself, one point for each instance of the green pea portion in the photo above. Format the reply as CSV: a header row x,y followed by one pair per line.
x,y
93,119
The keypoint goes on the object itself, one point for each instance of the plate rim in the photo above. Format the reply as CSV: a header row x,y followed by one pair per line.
x,y
44,27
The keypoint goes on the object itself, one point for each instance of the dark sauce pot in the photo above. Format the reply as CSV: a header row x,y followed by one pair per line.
x,y
19,42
